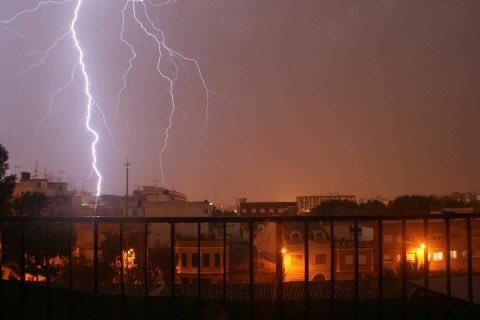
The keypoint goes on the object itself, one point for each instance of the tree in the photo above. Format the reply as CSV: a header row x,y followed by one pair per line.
x,y
335,208
33,204
372,207
415,204
7,183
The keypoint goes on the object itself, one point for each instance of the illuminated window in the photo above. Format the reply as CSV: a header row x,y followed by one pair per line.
x,y
464,254
348,259
453,254
262,210
411,257
320,259
438,256
387,258
297,260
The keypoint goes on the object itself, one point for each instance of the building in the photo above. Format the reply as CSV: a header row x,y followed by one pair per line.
x,y
305,204
57,193
320,254
246,208
211,260
158,194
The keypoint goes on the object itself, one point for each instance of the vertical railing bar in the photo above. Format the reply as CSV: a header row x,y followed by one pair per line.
x,y
70,270
332,269
2,232
279,262
447,267
380,268
95,265
426,282
225,262
22,269
469,261
145,268
355,263
47,273
250,267
404,269
172,268
122,269
307,262
199,264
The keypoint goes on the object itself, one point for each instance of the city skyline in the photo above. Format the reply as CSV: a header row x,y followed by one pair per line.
x,y
362,99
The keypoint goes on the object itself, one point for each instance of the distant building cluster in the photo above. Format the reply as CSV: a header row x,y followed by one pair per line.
x,y
151,201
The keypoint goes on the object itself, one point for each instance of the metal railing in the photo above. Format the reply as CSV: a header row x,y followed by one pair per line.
x,y
329,221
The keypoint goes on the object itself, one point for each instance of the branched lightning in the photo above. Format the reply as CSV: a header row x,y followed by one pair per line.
x,y
139,10
79,63
173,56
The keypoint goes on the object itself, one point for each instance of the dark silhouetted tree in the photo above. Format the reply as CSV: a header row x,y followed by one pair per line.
x,y
33,204
335,208
7,183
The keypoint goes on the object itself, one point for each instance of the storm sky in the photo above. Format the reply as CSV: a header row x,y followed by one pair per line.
x,y
314,97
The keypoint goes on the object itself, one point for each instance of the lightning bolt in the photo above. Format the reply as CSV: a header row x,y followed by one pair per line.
x,y
145,23
80,63
173,56
89,96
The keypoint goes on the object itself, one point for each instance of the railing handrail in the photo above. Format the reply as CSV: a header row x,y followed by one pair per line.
x,y
244,219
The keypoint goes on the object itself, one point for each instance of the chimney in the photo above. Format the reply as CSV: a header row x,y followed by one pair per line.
x,y
25,176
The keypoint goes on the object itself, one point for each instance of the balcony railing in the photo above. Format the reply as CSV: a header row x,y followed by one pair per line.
x,y
354,290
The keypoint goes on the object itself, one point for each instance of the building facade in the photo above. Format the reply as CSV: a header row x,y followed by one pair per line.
x,y
305,204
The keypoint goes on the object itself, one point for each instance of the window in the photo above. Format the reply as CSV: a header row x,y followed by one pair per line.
x,y
349,259
254,210
464,254
295,236
476,253
362,259
438,256
317,235
217,260
206,260
320,259
39,184
194,260
262,210
387,258
453,254
297,260
184,260
411,257
244,210
387,238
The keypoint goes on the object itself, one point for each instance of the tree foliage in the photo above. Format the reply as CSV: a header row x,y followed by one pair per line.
x,y
407,204
33,204
7,183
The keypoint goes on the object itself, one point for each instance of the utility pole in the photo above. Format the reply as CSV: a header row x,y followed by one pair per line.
x,y
127,166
